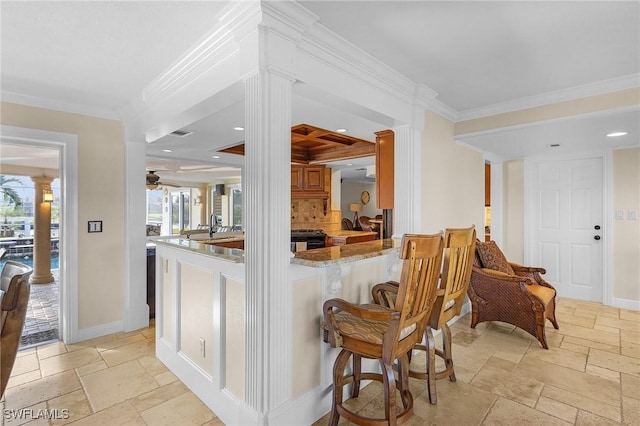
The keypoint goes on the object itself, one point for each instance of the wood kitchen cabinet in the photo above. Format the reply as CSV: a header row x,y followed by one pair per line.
x,y
307,178
297,181
308,182
384,169
313,178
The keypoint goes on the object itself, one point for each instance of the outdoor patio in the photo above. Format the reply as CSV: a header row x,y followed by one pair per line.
x,y
41,323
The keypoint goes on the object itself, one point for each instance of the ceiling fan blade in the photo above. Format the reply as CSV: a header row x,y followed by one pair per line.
x,y
173,185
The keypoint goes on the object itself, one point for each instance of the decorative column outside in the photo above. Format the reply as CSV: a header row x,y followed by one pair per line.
x,y
42,233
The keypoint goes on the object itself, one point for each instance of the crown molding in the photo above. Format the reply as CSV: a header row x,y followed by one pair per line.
x,y
585,90
291,17
327,47
208,53
425,97
508,128
58,105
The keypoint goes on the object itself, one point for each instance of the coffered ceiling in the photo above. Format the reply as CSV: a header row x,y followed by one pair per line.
x,y
312,145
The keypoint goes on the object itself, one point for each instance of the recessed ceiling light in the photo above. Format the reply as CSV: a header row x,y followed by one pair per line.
x,y
349,164
216,156
238,128
616,134
167,150
341,130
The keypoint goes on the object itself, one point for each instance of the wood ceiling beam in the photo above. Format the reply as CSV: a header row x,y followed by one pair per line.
x,y
330,146
343,154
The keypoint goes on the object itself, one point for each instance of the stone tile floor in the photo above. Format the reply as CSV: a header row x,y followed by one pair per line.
x,y
589,376
41,322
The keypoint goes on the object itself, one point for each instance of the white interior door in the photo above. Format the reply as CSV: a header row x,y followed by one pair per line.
x,y
566,232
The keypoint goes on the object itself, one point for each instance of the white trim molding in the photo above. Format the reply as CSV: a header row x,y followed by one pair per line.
x,y
67,145
571,93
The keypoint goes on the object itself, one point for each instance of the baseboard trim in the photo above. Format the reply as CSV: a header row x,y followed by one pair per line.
x,y
633,305
98,331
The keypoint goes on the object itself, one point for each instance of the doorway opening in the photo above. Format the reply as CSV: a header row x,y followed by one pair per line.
x,y
64,147
19,208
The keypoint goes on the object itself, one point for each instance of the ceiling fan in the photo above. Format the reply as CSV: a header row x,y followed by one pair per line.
x,y
153,181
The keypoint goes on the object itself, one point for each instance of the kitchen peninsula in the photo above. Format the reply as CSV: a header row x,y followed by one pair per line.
x,y
201,325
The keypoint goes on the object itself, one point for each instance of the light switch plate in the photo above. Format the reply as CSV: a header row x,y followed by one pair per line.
x,y
633,215
95,226
619,214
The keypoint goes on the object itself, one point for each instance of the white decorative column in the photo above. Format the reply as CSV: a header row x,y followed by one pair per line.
x,y
136,310
267,238
407,180
42,233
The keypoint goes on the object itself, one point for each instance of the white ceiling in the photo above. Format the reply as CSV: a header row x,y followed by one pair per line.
x,y
95,57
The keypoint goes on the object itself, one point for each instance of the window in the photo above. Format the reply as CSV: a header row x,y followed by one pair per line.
x,y
236,207
154,207
180,211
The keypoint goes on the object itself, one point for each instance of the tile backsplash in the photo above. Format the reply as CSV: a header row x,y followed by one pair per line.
x,y
310,214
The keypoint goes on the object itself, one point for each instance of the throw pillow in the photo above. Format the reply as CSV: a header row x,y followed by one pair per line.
x,y
493,258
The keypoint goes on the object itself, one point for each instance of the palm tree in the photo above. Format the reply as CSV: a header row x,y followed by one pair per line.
x,y
9,195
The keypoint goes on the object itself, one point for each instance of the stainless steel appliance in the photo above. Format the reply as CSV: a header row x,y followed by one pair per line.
x,y
314,238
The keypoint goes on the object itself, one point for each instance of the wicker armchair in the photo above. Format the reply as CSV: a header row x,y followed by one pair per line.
x,y
522,298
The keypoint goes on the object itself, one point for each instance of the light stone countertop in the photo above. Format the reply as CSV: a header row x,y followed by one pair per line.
x,y
345,233
316,258
198,246
323,257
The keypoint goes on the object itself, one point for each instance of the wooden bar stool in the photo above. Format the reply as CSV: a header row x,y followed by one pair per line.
x,y
384,333
459,251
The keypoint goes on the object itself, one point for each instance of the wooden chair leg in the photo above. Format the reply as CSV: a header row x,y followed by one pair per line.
x,y
403,381
474,317
338,385
551,313
389,382
357,375
447,354
431,365
541,336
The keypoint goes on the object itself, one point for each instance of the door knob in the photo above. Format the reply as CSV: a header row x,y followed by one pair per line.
x,y
597,237
596,227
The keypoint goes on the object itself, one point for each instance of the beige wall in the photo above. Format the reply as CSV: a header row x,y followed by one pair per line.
x,y
350,193
513,210
626,233
452,180
101,196
589,104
